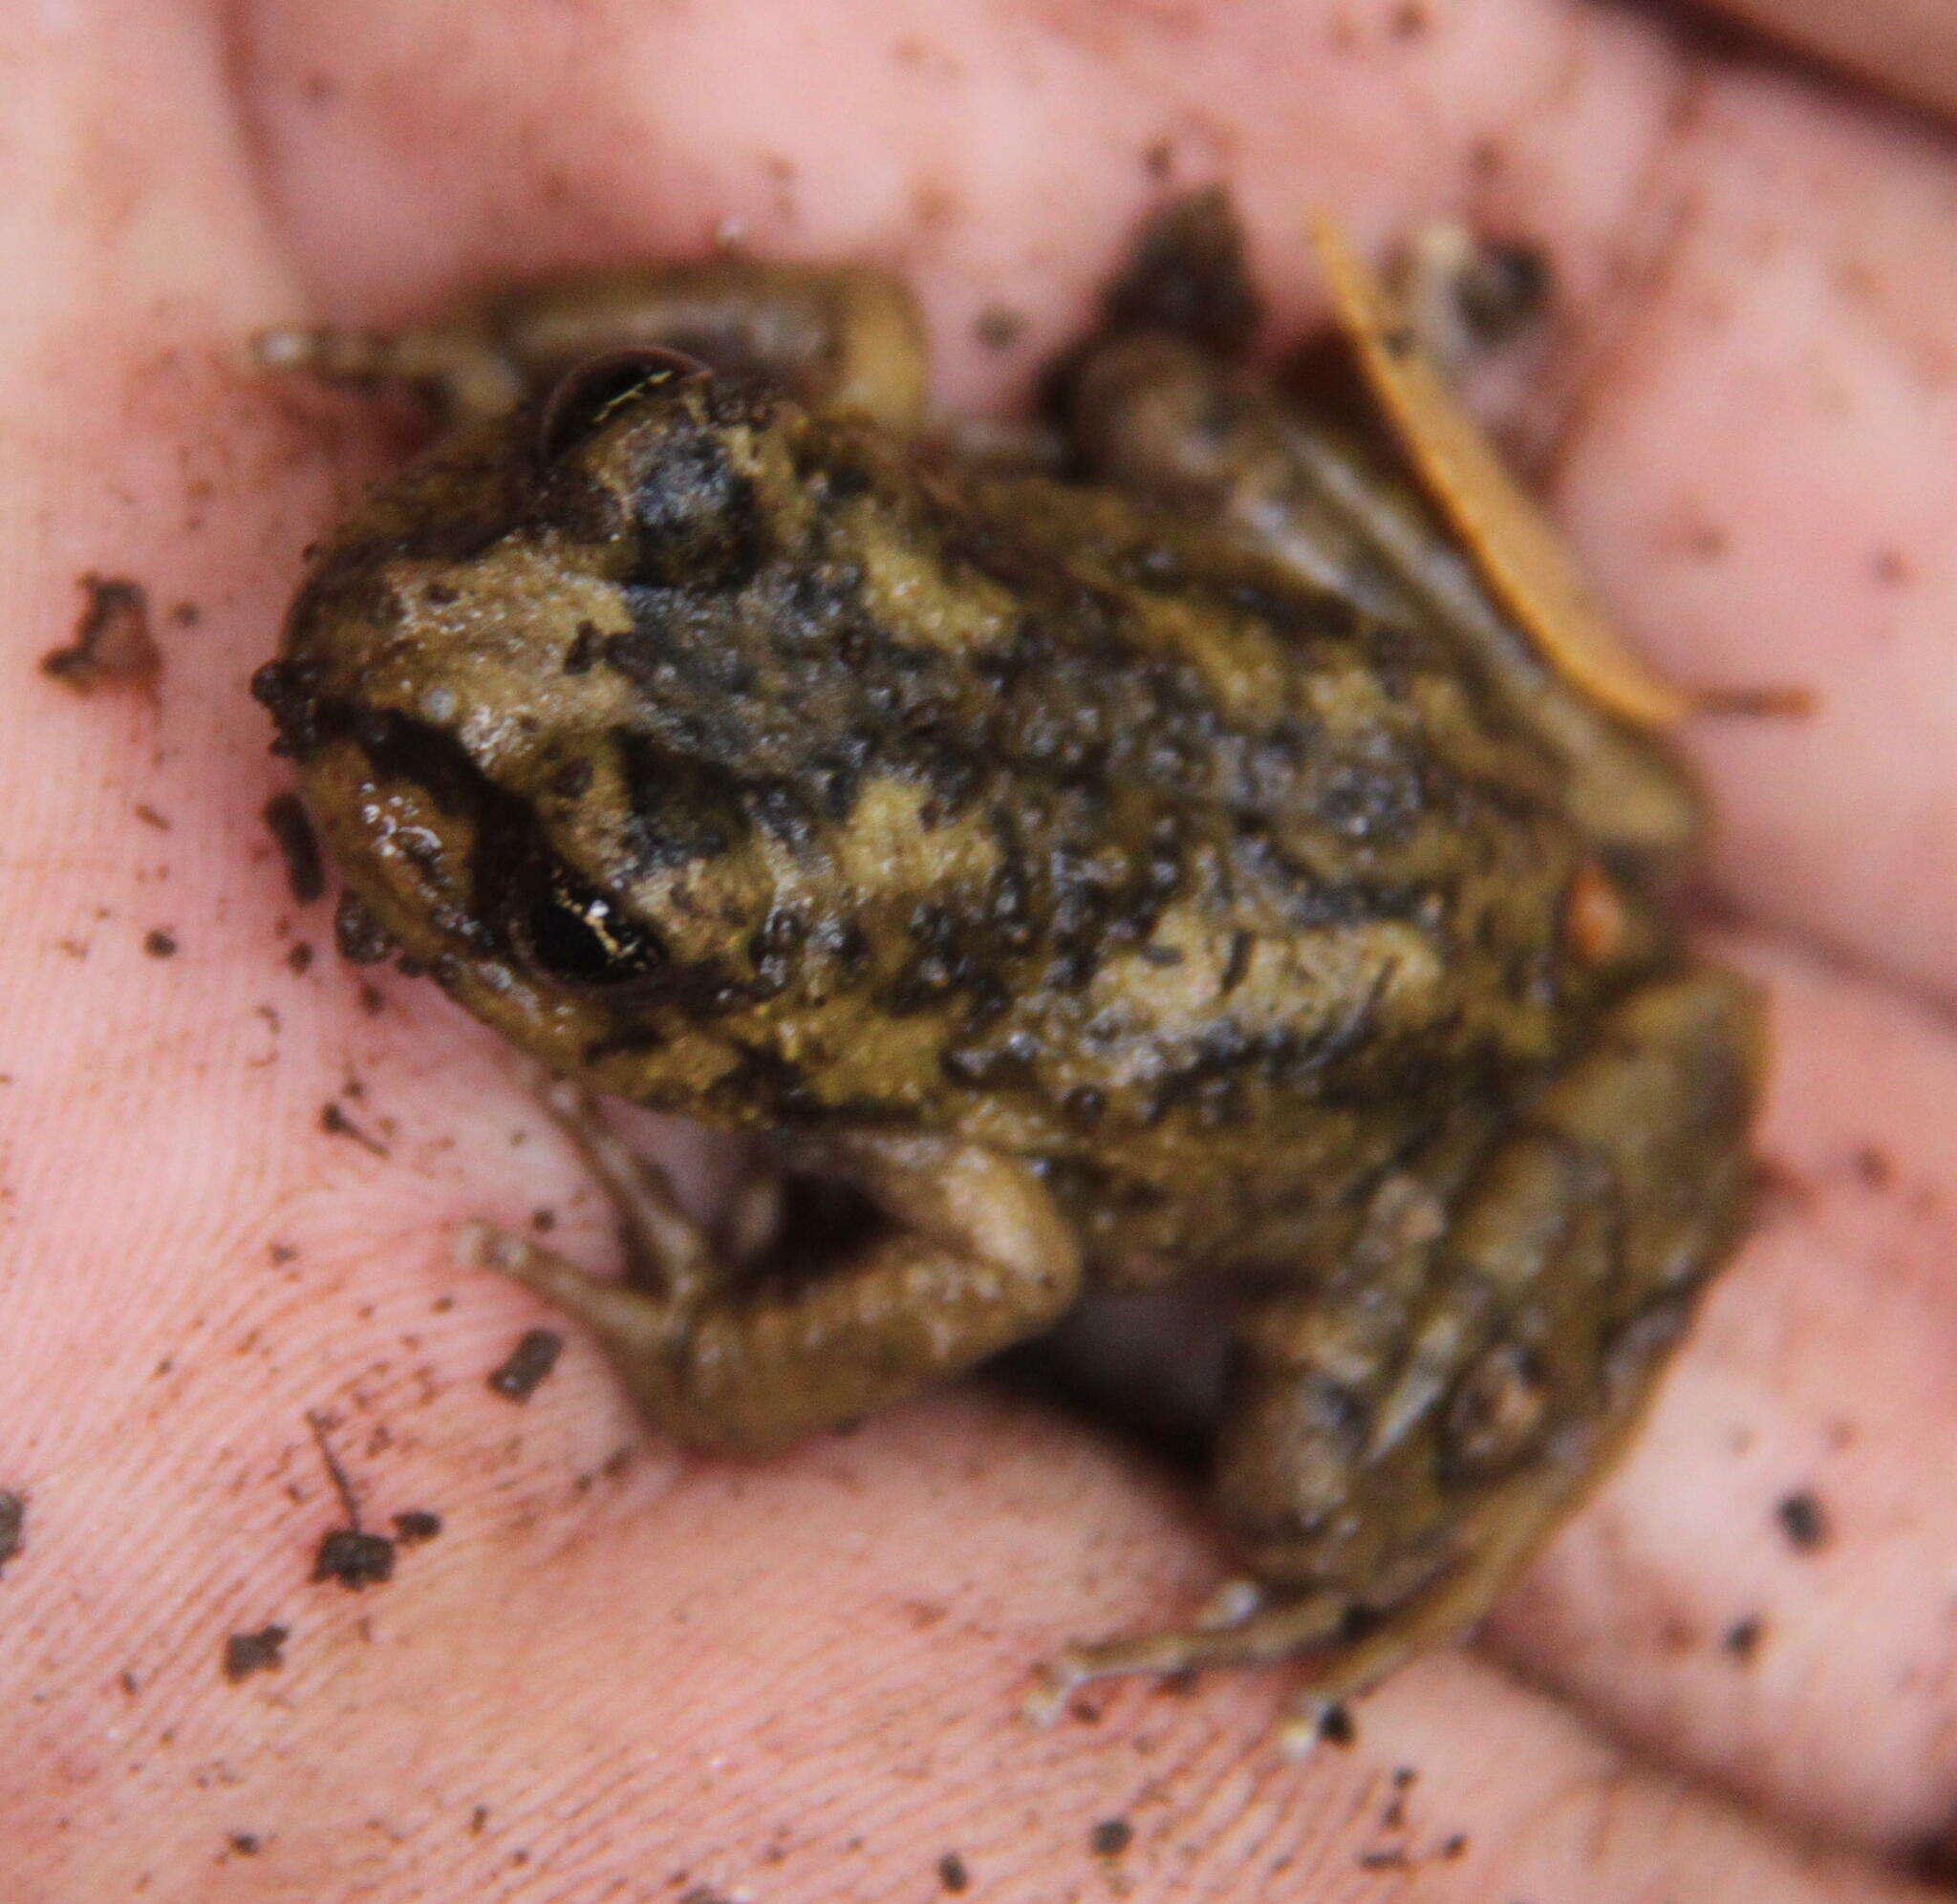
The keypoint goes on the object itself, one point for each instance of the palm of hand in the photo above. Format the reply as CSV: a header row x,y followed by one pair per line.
x,y
800,1680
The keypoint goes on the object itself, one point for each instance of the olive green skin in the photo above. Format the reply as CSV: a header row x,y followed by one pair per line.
x,y
921,798
747,753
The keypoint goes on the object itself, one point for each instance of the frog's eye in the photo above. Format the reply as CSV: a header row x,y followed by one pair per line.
x,y
572,932
585,397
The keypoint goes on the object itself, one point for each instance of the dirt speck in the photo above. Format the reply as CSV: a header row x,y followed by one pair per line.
x,y
1872,1167
999,327
298,847
1453,1846
113,646
524,1369
150,817
335,1121
13,1525
354,1558
1158,159
244,1843
952,1874
259,1652
1336,1726
299,959
159,943
1109,1838
1743,1637
1803,1521
417,1524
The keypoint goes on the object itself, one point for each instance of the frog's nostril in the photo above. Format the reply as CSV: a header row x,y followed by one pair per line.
x,y
585,397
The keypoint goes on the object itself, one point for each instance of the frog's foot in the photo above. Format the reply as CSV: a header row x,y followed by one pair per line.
x,y
972,1258
1243,1625
1411,1430
458,370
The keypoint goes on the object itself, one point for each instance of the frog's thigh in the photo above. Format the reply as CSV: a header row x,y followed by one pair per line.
x,y
974,1258
1153,414
1383,1500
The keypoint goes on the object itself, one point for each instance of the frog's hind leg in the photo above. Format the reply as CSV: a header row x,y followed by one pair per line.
x,y
1331,501
973,1258
1403,1439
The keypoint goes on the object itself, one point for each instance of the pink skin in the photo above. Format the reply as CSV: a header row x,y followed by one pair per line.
x,y
799,1681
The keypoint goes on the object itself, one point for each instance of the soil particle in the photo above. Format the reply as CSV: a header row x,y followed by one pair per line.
x,y
113,645
1803,1521
298,847
997,328
160,944
354,1558
260,1652
244,1843
299,960
522,1371
951,1873
13,1525
416,1525
1109,1838
335,1121
1336,1726
1743,1637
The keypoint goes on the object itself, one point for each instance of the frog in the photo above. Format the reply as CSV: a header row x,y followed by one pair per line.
x,y
1141,851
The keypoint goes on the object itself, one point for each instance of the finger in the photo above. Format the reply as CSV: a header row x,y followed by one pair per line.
x,y
1904,46
1765,1592
726,1682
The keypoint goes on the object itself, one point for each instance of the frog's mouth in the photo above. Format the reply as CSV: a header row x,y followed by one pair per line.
x,y
440,847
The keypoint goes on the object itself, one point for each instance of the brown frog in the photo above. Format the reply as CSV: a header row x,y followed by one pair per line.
x,y
1153,854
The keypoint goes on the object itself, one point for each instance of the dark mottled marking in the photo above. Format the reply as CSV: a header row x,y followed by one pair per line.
x,y
357,935
13,1525
951,1873
1110,1837
158,943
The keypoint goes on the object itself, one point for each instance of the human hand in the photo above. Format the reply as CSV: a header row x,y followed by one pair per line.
x,y
617,1672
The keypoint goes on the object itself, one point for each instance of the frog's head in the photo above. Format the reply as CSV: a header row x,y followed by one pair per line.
x,y
534,692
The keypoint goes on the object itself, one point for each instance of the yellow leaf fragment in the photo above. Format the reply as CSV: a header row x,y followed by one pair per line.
x,y
1504,532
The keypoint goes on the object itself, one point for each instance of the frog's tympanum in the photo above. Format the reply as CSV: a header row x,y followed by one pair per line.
x,y
1150,852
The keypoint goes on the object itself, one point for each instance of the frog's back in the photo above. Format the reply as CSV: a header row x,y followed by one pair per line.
x,y
998,805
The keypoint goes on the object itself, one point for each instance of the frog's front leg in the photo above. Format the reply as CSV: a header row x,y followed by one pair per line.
x,y
845,335
974,1257
1402,1440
